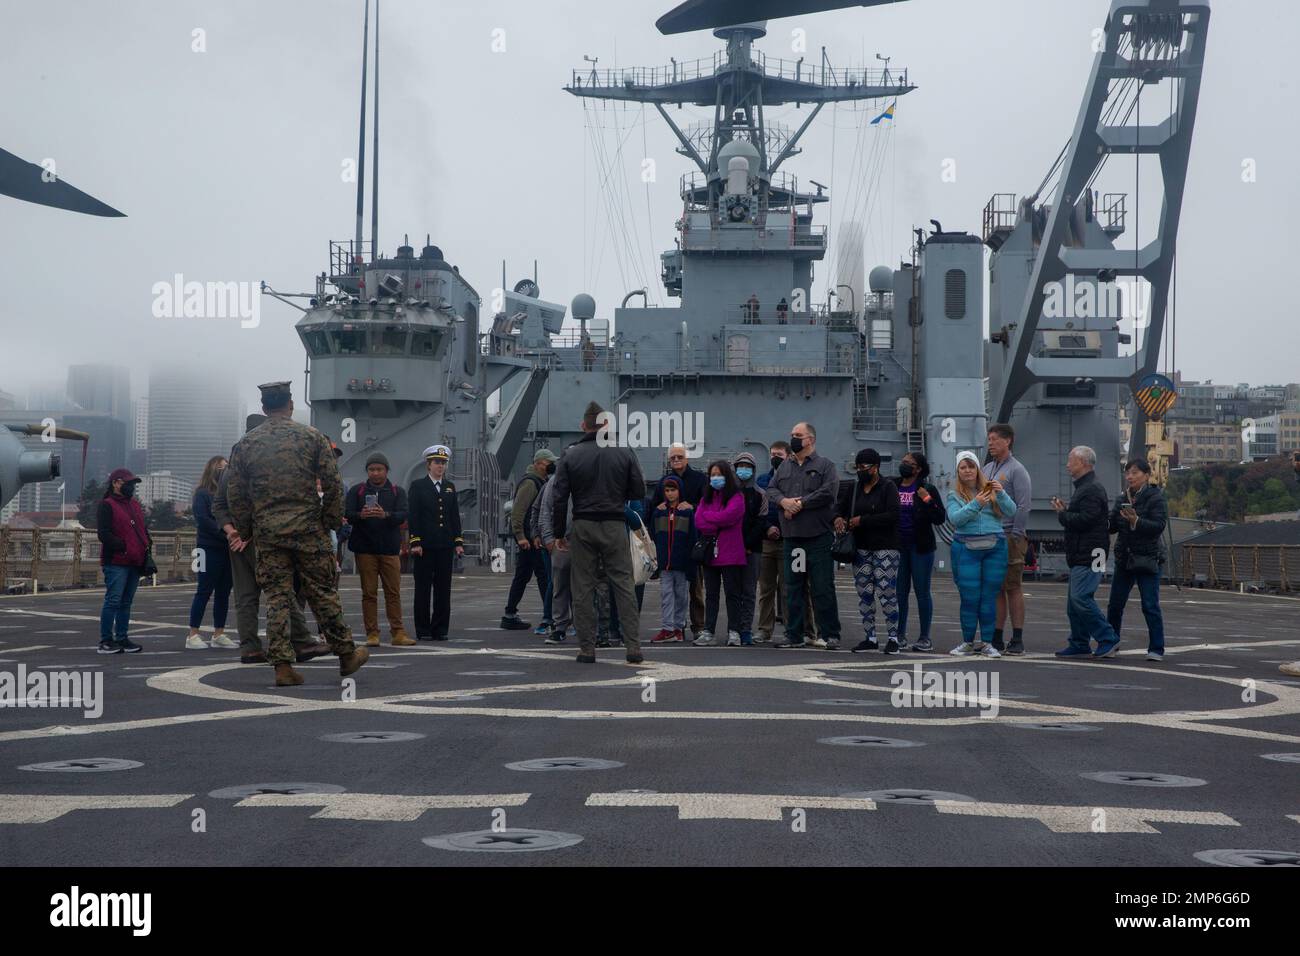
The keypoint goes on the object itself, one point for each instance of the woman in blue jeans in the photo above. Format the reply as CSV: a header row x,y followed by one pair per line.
x,y
214,552
124,549
920,511
976,507
1139,518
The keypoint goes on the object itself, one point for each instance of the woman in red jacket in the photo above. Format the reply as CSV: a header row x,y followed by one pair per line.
x,y
720,516
124,548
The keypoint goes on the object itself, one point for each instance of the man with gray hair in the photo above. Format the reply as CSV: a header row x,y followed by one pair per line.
x,y
693,483
1086,520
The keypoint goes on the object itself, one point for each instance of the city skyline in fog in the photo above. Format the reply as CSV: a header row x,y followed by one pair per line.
x,y
230,161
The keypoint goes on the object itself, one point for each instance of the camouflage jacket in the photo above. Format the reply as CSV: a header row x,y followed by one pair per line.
x,y
271,487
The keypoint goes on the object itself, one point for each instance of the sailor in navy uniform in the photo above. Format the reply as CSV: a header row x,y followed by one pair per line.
x,y
434,519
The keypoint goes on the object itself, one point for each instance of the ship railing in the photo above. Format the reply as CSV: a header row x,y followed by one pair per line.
x,y
734,359
744,314
726,240
825,74
676,72
57,558
876,420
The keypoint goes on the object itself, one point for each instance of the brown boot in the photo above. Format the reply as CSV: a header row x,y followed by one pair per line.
x,y
351,663
286,676
403,640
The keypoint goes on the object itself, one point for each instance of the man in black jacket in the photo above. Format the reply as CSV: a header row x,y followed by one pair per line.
x,y
436,537
376,510
602,477
1086,521
1139,519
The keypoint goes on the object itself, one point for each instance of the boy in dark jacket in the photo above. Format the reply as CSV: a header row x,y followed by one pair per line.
x,y
376,509
674,534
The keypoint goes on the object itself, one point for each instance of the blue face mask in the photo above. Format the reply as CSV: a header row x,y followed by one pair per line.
x,y
744,474
717,482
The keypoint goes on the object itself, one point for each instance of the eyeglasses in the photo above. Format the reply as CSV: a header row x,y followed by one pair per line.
x,y
676,457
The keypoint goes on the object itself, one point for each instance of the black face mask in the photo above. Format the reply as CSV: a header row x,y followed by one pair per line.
x,y
866,477
906,471
550,467
796,444
128,490
777,462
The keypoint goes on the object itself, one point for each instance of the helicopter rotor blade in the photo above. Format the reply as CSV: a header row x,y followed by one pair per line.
x,y
27,181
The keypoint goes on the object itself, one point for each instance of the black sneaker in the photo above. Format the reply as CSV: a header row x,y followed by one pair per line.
x,y
787,643
865,646
586,658
440,637
555,637
128,646
923,646
902,643
998,645
635,659
514,623
424,637
108,647
603,642
1016,647
891,646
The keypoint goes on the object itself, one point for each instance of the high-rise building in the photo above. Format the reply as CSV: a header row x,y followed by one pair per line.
x,y
7,401
105,451
140,423
101,388
192,417
164,486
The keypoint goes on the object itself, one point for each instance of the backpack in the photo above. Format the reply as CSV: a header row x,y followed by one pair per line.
x,y
534,511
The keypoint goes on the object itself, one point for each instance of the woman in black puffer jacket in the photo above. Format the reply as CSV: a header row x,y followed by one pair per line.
x,y
1139,518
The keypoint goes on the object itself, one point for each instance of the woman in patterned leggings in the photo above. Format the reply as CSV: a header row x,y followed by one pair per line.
x,y
870,510
976,507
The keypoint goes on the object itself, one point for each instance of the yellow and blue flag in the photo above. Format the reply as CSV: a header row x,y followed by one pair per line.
x,y
888,114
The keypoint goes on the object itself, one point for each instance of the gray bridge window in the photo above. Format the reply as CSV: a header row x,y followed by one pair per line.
x,y
425,344
954,293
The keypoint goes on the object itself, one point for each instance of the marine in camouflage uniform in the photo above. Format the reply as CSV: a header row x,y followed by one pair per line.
x,y
273,501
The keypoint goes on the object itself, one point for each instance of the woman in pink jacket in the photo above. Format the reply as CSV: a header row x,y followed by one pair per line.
x,y
720,516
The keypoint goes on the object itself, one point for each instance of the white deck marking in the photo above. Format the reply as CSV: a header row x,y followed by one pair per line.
x,y
42,808
382,806
34,647
728,806
1081,819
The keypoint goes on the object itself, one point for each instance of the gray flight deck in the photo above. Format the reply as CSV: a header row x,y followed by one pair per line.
x,y
727,764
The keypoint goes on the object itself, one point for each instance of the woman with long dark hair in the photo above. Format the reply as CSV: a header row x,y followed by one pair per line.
x,y
720,516
124,552
214,572
920,511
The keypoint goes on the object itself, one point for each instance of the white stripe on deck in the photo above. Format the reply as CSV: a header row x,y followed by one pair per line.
x,y
42,808
382,806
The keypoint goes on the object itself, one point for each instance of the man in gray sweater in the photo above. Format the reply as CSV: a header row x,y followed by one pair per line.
x,y
805,487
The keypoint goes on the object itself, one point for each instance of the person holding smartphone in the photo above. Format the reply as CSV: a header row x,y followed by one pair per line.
x,y
376,509
1139,518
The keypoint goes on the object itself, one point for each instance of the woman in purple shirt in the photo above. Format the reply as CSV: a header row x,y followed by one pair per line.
x,y
920,511
721,515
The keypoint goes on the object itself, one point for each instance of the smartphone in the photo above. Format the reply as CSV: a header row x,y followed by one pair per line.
x,y
372,501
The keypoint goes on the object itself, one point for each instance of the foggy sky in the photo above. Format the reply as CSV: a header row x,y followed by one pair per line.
x,y
228,162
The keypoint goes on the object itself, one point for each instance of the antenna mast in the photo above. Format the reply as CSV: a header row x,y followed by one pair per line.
x,y
361,144
374,172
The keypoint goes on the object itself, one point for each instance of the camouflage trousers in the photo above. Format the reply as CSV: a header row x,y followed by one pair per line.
x,y
315,570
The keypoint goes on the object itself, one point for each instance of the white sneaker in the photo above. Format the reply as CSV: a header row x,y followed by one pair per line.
x,y
963,650
224,641
1155,656
195,643
733,639
705,639
762,637
817,642
988,650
